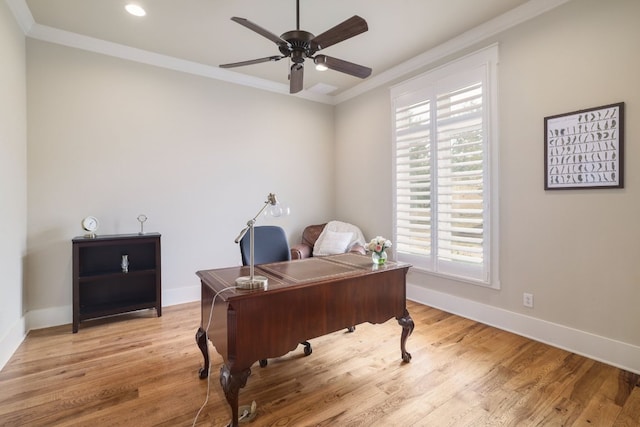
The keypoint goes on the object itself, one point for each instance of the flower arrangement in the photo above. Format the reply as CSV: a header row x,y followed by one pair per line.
x,y
378,244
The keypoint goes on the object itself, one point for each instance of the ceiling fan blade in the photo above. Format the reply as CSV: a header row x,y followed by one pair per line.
x,y
345,30
252,61
258,29
343,66
295,78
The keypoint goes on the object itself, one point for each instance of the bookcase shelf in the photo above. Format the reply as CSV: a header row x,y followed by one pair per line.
x,y
102,288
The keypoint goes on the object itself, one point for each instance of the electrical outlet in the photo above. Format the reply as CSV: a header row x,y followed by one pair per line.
x,y
527,300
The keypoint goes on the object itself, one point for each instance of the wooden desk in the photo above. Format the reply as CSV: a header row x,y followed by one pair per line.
x,y
304,299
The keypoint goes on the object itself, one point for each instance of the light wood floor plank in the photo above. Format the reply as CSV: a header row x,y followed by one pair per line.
x,y
141,370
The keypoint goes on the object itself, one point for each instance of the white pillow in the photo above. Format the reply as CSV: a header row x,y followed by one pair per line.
x,y
331,243
345,227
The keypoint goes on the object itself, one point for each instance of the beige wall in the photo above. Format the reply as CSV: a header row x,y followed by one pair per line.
x,y
576,251
13,183
114,139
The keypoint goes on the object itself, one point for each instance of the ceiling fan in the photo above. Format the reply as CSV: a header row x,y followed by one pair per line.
x,y
298,45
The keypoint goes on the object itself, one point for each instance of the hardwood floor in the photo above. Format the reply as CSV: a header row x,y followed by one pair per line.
x,y
140,370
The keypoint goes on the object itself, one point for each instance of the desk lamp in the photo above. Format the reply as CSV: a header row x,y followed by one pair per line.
x,y
252,281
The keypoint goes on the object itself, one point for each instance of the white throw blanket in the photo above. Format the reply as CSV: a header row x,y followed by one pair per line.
x,y
326,243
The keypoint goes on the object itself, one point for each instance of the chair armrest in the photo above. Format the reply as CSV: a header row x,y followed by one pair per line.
x,y
358,249
300,251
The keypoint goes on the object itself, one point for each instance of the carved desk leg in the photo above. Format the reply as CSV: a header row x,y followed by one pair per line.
x,y
407,328
231,384
201,339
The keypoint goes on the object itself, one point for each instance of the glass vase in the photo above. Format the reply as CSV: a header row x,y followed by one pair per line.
x,y
379,258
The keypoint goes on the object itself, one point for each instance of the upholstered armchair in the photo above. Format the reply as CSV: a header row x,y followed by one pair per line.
x,y
311,233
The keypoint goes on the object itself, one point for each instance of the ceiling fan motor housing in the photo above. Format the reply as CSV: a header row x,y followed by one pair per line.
x,y
298,45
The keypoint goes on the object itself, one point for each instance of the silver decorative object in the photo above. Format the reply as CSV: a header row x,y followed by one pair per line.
x,y
142,218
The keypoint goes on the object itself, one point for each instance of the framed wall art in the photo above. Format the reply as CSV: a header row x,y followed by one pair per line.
x,y
584,149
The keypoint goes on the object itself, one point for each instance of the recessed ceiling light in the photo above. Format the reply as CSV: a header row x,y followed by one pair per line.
x,y
135,10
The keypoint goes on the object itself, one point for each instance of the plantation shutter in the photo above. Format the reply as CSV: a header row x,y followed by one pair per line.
x,y
460,169
413,178
441,214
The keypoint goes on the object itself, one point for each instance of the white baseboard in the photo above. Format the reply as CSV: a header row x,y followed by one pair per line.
x,y
48,317
55,316
12,340
175,296
616,353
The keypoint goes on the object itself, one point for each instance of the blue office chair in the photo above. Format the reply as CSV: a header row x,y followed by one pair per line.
x,y
271,245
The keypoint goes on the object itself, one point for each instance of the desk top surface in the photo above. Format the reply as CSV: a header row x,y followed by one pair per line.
x,y
298,272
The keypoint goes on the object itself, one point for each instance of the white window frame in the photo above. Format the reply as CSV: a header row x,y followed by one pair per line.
x,y
482,63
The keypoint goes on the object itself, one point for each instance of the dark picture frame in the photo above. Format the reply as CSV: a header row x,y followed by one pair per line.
x,y
585,149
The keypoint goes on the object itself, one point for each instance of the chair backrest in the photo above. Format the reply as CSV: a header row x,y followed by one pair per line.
x,y
271,245
311,233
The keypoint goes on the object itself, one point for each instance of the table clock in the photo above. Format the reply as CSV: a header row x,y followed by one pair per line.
x,y
90,225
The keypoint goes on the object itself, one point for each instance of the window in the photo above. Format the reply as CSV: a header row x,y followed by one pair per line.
x,y
445,170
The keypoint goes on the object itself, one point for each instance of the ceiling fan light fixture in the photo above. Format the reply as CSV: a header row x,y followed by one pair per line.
x,y
320,64
135,9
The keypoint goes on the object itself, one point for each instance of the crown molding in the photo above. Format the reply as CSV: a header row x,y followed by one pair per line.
x,y
78,41
45,33
529,10
23,15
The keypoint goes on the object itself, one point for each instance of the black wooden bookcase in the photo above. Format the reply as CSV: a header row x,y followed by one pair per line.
x,y
101,287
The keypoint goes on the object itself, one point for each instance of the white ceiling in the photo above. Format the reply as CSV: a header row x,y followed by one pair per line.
x,y
200,34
